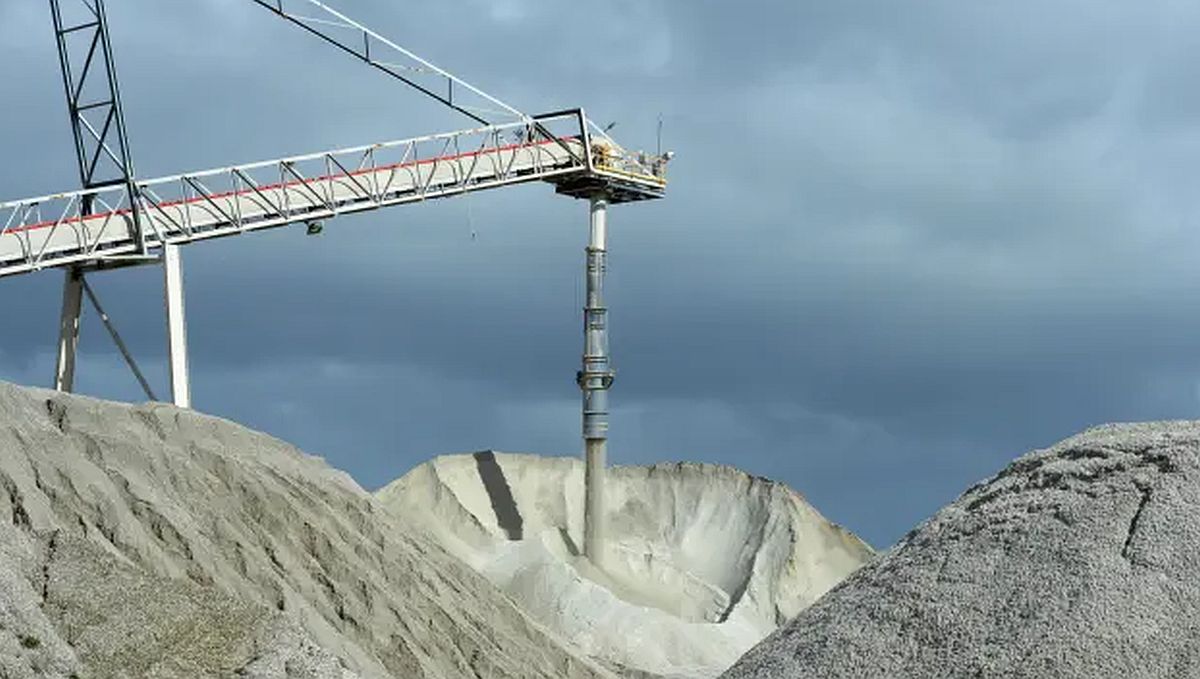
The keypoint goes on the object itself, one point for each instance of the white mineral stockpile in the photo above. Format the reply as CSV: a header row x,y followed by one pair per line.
x,y
701,562
150,541
1081,561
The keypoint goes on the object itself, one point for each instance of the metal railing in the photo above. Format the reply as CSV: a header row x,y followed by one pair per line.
x,y
53,230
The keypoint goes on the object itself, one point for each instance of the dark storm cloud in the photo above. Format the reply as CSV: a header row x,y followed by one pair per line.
x,y
903,242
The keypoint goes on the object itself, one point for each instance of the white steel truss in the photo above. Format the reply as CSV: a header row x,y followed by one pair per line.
x,y
54,231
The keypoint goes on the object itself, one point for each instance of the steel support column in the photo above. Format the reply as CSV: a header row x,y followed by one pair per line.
x,y
594,380
68,330
176,326
89,78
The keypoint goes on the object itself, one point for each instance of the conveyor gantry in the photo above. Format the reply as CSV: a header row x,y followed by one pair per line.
x,y
54,231
117,220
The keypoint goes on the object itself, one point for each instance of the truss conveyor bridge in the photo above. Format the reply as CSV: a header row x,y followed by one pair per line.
x,y
59,231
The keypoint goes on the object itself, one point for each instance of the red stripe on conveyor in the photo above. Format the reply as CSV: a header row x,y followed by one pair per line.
x,y
282,185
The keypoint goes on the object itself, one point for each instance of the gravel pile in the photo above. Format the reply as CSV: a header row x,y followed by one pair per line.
x,y
1082,560
152,541
701,561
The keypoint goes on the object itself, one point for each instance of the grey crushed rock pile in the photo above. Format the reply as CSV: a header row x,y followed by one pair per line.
x,y
151,541
76,610
1082,560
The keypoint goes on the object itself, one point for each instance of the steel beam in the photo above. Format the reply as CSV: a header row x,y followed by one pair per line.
x,y
594,380
68,330
176,326
374,49
89,76
116,338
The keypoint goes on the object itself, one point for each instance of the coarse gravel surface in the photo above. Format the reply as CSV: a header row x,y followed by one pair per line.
x,y
1078,561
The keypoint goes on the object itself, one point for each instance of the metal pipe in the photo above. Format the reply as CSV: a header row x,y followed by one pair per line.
x,y
594,380
594,534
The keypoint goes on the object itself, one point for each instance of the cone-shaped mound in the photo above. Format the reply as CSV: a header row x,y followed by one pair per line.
x,y
701,560
1082,560
153,541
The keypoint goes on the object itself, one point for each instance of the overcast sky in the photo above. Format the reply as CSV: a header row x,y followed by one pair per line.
x,y
903,243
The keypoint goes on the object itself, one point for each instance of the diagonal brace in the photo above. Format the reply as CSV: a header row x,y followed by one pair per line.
x,y
116,337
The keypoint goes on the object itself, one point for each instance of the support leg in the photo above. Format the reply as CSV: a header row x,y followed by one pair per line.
x,y
594,380
176,327
68,331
